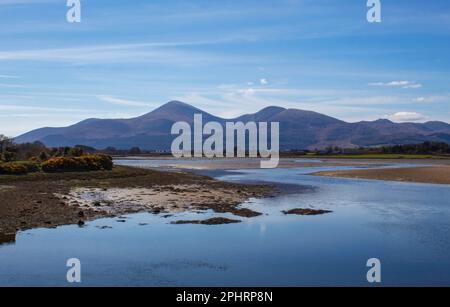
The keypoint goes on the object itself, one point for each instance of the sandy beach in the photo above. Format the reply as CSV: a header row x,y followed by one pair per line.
x,y
439,174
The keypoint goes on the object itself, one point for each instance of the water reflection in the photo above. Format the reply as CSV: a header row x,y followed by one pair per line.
x,y
405,225
7,238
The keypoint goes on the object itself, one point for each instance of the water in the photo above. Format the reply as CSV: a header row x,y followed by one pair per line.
x,y
405,225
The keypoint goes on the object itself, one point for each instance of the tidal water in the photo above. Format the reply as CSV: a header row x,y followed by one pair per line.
x,y
405,225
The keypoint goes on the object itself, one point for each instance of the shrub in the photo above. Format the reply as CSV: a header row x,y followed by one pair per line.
x,y
78,164
31,166
19,168
43,156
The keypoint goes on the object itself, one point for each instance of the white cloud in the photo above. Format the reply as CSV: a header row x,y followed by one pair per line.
x,y
407,117
122,102
399,84
263,81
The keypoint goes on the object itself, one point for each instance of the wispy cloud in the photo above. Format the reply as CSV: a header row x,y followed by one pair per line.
x,y
400,84
433,99
21,2
8,77
14,108
11,85
122,102
163,53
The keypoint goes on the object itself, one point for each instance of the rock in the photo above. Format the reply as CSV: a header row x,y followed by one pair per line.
x,y
81,214
300,211
245,212
80,223
156,210
211,221
104,227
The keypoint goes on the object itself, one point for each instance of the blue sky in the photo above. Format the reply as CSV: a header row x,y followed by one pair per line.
x,y
227,57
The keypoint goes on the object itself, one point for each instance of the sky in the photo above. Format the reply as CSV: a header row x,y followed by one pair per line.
x,y
227,57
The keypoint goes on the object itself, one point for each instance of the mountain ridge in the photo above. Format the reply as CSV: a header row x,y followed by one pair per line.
x,y
299,129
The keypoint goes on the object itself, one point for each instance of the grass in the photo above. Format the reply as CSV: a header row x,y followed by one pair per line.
x,y
380,156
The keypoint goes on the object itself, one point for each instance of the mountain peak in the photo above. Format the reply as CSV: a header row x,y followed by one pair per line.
x,y
177,106
176,103
171,107
176,111
383,121
262,115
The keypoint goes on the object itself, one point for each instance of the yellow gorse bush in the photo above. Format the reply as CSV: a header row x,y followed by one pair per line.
x,y
78,164
19,168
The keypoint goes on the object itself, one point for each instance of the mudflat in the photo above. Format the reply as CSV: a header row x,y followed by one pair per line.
x,y
254,163
50,200
439,174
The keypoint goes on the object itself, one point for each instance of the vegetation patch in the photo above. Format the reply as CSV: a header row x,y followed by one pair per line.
x,y
95,162
19,168
21,159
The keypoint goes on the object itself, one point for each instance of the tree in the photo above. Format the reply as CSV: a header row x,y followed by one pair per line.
x,y
135,151
75,152
43,156
5,144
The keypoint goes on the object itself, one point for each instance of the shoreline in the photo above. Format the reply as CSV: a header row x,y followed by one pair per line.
x,y
171,163
51,200
437,174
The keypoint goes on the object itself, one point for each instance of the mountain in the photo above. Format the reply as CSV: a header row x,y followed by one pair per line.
x,y
299,129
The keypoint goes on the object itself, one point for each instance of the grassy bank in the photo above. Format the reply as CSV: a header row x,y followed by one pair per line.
x,y
378,156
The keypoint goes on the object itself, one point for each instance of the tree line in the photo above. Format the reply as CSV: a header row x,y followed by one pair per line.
x,y
425,148
37,151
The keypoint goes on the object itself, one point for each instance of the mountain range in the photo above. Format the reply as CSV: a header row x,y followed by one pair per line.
x,y
299,129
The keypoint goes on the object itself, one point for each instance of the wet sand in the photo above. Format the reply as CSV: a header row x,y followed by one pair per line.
x,y
439,174
427,170
254,163
50,200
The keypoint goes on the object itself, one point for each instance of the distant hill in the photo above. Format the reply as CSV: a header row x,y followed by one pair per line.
x,y
299,129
